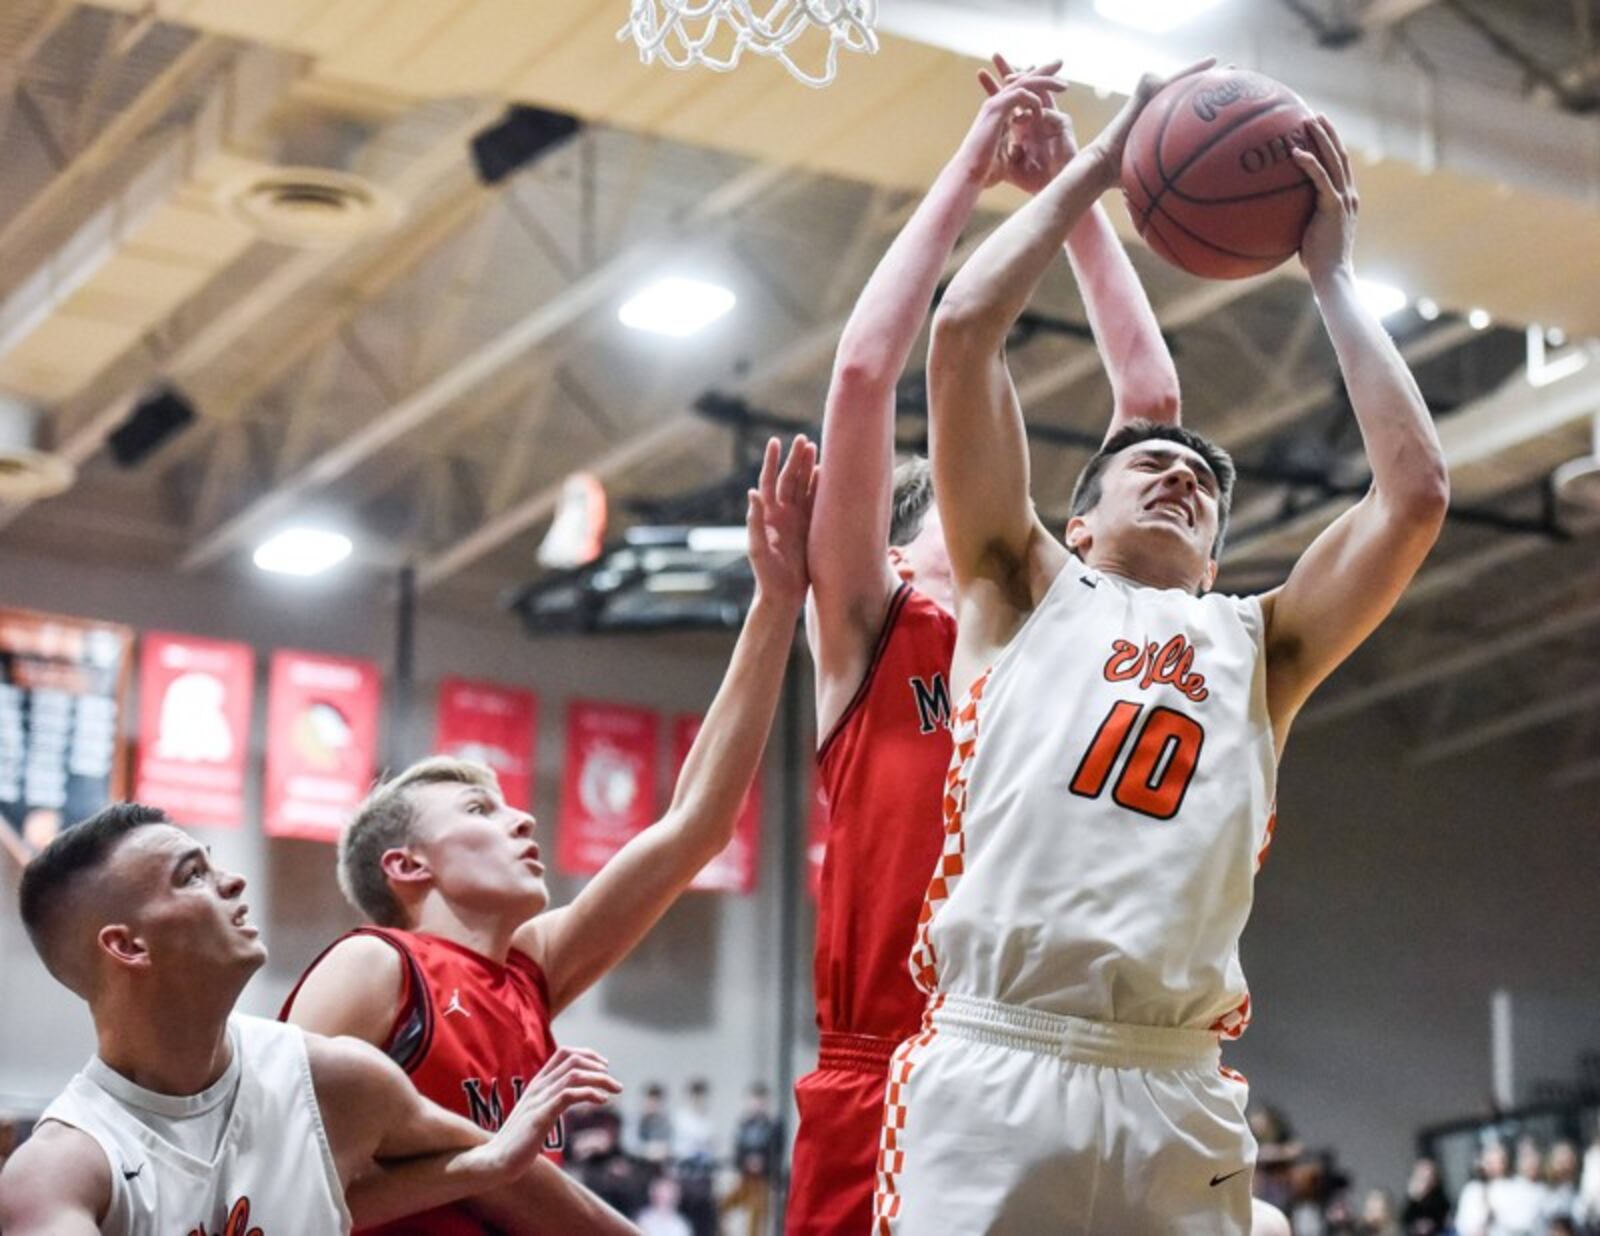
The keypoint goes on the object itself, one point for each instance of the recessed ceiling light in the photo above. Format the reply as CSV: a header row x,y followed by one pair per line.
x,y
1153,16
676,307
1427,308
1479,319
302,551
1382,298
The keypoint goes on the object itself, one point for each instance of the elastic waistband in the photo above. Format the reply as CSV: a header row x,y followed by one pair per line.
x,y
856,1053
1075,1038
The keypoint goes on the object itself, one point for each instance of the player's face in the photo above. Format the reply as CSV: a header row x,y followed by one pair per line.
x,y
926,555
186,916
480,852
1158,504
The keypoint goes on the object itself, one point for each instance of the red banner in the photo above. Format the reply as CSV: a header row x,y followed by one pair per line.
x,y
322,738
734,870
608,789
194,727
493,725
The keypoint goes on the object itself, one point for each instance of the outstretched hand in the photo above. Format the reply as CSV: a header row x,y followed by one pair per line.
x,y
573,1075
779,520
1106,149
1038,138
1330,237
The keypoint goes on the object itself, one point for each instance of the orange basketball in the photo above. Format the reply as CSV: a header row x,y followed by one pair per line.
x,y
1208,176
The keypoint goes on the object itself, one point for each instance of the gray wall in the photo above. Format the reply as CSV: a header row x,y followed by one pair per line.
x,y
696,998
1394,901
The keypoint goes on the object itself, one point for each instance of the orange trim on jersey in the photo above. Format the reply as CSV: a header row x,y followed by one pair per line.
x,y
953,859
886,1198
897,604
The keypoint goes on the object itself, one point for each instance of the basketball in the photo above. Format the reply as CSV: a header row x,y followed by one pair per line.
x,y
1208,176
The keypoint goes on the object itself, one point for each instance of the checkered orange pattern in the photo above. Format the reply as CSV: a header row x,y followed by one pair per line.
x,y
952,861
1231,1025
886,1197
1266,843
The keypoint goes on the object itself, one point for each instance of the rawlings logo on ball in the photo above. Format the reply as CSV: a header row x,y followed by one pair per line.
x,y
1209,103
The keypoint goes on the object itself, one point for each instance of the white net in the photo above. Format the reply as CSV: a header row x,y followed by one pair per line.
x,y
717,33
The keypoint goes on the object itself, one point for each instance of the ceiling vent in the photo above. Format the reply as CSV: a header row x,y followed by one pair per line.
x,y
27,473
310,207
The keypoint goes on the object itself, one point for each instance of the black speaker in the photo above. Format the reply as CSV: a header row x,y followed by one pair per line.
x,y
520,137
158,417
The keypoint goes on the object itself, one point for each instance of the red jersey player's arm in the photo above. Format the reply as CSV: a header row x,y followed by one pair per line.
x,y
1346,583
577,944
398,1153
57,1184
1144,381
353,989
851,582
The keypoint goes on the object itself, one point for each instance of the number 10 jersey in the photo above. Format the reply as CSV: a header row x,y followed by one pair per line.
x,y
1108,803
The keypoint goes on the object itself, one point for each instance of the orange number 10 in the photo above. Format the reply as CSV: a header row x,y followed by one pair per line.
x,y
1158,770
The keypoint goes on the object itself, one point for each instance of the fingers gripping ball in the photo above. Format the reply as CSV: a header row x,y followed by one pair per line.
x,y
1208,175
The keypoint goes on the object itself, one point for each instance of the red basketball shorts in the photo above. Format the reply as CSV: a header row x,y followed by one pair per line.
x,y
836,1148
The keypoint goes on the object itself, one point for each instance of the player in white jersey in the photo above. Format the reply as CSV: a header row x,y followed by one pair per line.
x,y
1112,786
194,1119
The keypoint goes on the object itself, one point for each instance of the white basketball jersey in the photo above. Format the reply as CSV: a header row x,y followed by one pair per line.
x,y
271,1172
1108,802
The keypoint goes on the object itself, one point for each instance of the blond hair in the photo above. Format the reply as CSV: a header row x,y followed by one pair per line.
x,y
387,820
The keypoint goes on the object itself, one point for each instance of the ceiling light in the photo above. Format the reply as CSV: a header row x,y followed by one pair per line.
x,y
1556,337
1543,368
1427,308
1479,319
1153,16
1382,298
302,551
676,307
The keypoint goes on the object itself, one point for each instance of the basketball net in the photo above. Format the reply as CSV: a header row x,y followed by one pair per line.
x,y
716,33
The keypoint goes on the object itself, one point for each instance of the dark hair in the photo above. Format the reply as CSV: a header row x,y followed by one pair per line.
x,y
913,495
1086,493
50,879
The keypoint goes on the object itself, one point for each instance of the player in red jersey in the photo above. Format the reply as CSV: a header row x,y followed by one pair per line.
x,y
881,632
465,968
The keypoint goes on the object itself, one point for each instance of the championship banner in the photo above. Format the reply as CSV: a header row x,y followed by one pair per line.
x,y
63,686
493,725
734,869
194,727
608,788
322,739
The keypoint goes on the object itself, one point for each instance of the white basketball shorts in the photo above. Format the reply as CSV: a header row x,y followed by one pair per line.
x,y
1014,1122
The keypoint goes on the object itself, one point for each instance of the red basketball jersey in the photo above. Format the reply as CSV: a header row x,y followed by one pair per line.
x,y
471,1033
881,773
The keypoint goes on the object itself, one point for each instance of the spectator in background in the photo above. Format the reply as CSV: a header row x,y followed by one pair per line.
x,y
1377,1215
655,1126
596,1157
662,1216
694,1140
1277,1151
1472,1207
1516,1203
755,1151
1587,1209
1427,1208
1561,1182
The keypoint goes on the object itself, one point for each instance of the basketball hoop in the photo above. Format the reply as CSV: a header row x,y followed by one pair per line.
x,y
716,33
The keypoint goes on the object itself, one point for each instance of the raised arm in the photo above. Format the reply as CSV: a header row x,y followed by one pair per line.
x,y
1144,381
850,579
579,943
1000,553
399,1154
1346,583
